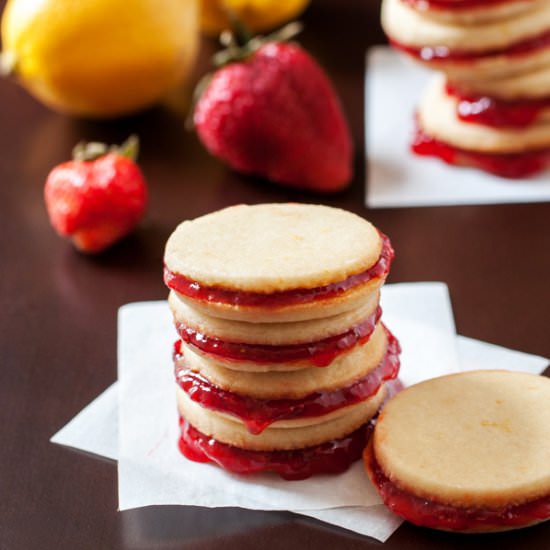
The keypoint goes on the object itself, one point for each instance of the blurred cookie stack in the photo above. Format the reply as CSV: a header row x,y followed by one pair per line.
x,y
490,106
282,361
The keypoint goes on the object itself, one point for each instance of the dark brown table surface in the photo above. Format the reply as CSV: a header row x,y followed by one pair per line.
x,y
58,309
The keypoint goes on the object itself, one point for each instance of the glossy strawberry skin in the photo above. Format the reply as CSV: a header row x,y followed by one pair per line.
x,y
97,202
276,115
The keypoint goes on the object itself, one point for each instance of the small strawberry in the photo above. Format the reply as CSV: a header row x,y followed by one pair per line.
x,y
98,197
270,110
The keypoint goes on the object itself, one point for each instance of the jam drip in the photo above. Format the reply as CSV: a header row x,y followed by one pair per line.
x,y
496,113
443,53
198,291
258,414
429,513
507,166
320,353
454,5
332,457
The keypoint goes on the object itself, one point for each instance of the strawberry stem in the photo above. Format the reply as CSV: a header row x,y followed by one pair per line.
x,y
92,150
236,49
129,149
240,32
89,151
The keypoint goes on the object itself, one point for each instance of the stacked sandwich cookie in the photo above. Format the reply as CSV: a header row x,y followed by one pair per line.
x,y
282,360
467,452
490,107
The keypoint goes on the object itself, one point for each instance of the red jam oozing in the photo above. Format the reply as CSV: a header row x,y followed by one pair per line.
x,y
454,4
496,113
507,166
258,414
320,353
443,53
198,291
429,513
332,457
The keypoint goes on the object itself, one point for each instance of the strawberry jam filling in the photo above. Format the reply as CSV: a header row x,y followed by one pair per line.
x,y
197,291
497,113
430,513
320,353
332,457
505,165
258,414
443,53
455,4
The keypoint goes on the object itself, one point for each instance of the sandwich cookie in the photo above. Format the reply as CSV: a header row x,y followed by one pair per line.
x,y
263,347
331,457
470,51
467,452
343,371
282,435
506,151
292,451
262,400
276,262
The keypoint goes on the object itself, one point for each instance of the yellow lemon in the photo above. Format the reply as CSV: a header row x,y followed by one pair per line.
x,y
257,15
100,58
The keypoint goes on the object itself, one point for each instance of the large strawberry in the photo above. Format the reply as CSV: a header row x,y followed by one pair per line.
x,y
270,110
98,197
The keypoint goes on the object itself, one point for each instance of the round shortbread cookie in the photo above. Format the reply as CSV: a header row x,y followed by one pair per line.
x,y
412,28
284,434
474,15
496,66
487,43
437,117
273,334
275,248
478,439
343,371
315,309
533,84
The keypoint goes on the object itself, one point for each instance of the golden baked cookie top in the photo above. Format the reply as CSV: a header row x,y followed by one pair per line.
x,y
473,439
273,247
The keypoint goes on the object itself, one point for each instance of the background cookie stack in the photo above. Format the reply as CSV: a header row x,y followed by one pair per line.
x,y
491,106
283,360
